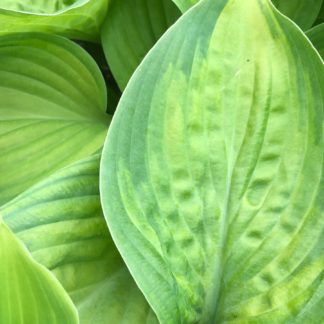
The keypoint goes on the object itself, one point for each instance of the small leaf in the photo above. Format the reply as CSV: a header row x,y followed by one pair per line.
x,y
184,5
214,166
80,19
28,292
61,223
316,36
130,31
52,108
302,12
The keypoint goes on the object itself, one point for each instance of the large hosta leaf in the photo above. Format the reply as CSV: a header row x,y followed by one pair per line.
x,y
303,12
28,292
52,108
61,223
316,35
79,19
211,176
130,31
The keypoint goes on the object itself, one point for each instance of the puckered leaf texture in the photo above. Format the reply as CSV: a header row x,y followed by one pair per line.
x,y
212,173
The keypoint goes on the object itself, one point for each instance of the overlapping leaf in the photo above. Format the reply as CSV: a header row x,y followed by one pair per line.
x,y
130,31
303,12
61,222
214,166
52,108
80,19
316,36
28,292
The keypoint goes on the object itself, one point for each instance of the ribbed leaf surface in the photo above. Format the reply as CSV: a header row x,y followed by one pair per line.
x,y
52,108
61,223
212,174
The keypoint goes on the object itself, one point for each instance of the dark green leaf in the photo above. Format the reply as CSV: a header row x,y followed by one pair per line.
x,y
131,29
316,36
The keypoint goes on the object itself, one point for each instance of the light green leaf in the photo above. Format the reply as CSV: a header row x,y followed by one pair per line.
x,y
130,31
214,166
80,19
61,223
302,12
316,35
28,292
52,108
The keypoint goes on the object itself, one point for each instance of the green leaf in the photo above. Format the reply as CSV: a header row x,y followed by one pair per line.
x,y
302,12
131,29
28,292
316,36
52,108
80,19
214,166
61,223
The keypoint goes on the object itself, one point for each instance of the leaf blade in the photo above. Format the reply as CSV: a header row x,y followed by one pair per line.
x,y
61,223
130,31
202,136
52,108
